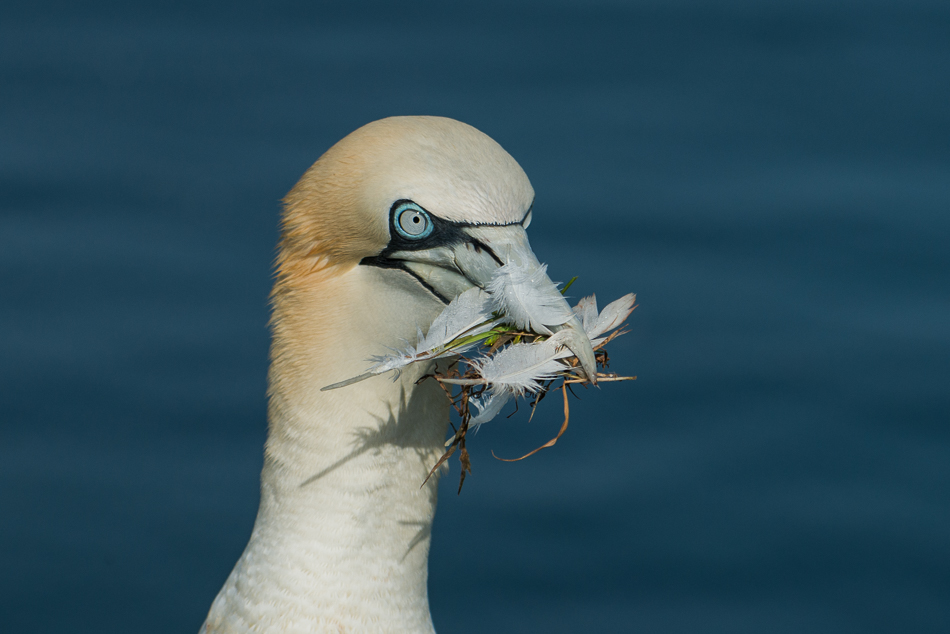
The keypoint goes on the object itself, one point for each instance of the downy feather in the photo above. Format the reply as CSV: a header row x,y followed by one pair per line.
x,y
489,405
528,297
468,314
521,367
462,316
611,317
586,311
465,315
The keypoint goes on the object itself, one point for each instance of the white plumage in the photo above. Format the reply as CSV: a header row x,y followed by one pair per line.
x,y
527,296
341,539
521,368
611,317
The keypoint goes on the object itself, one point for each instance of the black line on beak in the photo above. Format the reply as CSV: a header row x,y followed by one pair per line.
x,y
386,263
480,246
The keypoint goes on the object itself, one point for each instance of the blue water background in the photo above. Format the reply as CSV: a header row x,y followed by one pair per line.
x,y
771,178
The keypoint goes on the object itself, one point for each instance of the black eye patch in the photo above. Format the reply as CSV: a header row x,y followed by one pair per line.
x,y
444,233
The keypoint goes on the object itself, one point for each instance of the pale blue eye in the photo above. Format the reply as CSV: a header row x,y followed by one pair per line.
x,y
412,221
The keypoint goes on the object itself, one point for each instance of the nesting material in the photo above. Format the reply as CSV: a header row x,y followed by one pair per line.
x,y
519,338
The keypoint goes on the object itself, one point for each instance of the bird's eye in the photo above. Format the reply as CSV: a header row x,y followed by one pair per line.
x,y
412,221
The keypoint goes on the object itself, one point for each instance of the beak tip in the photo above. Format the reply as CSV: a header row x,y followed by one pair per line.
x,y
591,374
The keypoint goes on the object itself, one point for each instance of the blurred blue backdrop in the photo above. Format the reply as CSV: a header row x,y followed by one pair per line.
x,y
771,178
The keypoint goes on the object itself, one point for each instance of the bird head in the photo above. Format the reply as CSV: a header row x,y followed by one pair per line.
x,y
419,209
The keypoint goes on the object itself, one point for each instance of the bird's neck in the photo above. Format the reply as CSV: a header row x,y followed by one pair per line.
x,y
341,539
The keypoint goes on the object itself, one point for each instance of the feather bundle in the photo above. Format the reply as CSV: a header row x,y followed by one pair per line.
x,y
522,320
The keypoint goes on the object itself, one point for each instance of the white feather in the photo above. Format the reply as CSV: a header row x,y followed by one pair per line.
x,y
586,311
611,317
521,367
467,314
489,405
462,316
528,297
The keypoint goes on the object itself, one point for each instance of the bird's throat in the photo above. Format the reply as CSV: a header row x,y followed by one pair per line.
x,y
342,535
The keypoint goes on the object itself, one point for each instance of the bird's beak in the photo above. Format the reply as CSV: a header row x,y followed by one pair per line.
x,y
451,269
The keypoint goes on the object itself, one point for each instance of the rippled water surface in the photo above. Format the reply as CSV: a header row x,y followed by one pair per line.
x,y
772,179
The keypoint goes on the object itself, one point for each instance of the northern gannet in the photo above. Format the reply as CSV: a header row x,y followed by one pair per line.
x,y
387,227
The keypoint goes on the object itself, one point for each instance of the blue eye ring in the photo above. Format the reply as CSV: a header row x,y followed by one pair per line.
x,y
412,221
